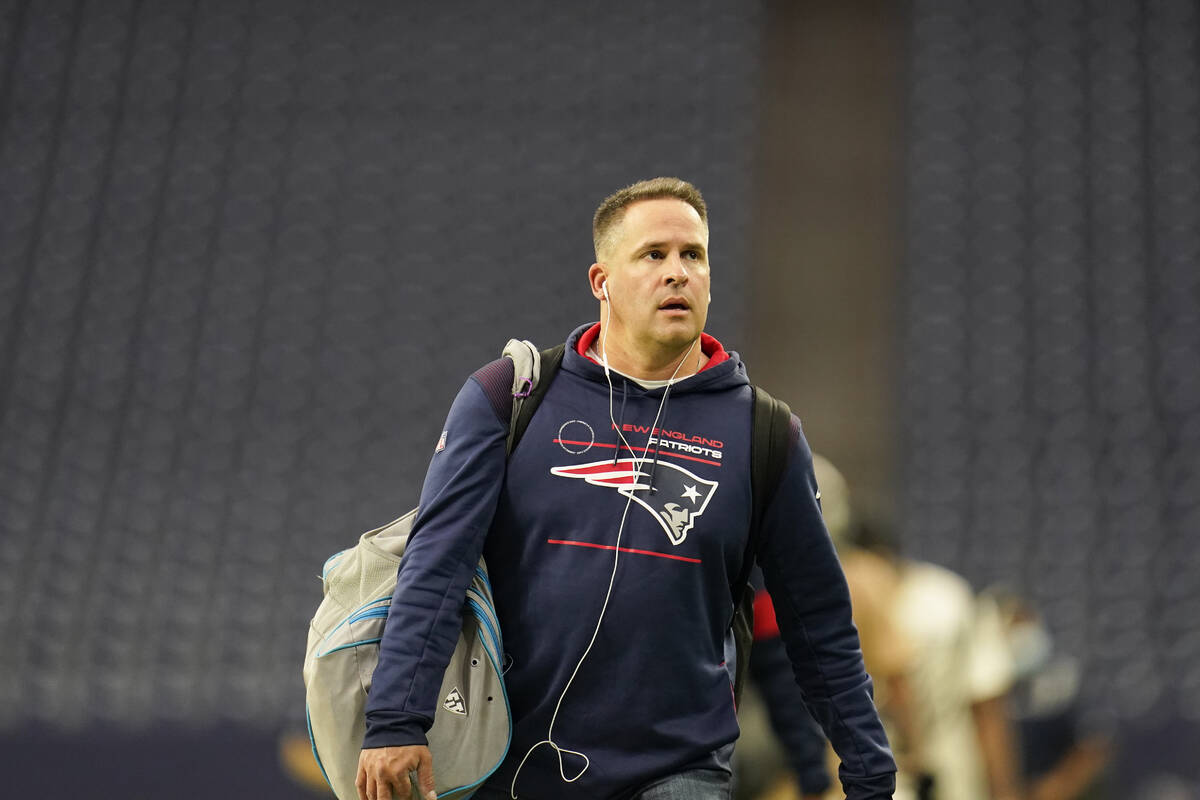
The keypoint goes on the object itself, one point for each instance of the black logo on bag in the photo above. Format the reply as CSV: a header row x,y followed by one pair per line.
x,y
454,703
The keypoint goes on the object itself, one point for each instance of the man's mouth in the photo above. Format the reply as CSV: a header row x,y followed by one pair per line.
x,y
675,304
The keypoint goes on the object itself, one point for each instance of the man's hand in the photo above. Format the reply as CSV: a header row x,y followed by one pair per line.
x,y
384,773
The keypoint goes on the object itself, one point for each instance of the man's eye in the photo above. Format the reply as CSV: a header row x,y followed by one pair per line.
x,y
693,255
655,254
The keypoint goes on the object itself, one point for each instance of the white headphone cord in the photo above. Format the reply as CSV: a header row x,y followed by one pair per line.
x,y
612,578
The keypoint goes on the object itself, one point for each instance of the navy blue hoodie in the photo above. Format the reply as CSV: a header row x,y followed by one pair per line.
x,y
653,695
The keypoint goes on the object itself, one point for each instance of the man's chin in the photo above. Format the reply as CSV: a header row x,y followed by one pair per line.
x,y
676,340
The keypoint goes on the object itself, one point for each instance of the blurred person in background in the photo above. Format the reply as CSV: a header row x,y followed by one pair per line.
x,y
789,724
940,659
960,673
1061,757
874,583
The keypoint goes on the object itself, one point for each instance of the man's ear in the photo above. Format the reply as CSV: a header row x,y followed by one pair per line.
x,y
597,275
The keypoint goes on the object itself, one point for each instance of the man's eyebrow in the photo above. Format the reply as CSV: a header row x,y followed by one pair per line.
x,y
660,245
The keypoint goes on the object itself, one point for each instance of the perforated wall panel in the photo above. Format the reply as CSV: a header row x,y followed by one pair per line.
x,y
1052,325
248,253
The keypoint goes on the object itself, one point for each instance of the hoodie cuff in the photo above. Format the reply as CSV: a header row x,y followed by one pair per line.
x,y
875,787
813,778
398,733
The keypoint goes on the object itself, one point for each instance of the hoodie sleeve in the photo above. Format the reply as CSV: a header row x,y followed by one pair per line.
x,y
458,500
803,742
812,607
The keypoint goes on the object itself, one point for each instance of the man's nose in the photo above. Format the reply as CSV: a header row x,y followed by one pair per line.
x,y
677,272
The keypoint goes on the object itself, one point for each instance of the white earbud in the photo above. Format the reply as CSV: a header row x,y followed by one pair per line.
x,y
604,288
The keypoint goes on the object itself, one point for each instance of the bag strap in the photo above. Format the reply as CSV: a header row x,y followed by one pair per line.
x,y
524,406
770,439
516,383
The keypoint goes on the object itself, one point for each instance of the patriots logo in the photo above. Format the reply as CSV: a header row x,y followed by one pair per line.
x,y
678,497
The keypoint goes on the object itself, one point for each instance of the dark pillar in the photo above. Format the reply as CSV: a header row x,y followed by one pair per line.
x,y
826,232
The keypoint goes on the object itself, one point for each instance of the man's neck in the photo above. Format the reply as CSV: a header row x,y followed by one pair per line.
x,y
658,365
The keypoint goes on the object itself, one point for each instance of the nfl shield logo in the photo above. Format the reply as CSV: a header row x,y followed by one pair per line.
x,y
441,445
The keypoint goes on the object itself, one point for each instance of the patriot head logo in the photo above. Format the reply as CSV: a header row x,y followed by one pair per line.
x,y
678,497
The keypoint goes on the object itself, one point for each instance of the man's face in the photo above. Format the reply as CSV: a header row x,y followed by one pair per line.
x,y
658,281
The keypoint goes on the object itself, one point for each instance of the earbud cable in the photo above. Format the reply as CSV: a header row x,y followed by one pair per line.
x,y
612,578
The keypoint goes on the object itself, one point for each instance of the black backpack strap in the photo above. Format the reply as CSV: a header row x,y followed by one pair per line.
x,y
770,439
551,360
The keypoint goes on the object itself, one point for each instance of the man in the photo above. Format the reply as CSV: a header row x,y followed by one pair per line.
x,y
961,673
612,535
958,673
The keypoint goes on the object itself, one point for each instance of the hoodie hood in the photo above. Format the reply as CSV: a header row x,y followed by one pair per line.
x,y
723,371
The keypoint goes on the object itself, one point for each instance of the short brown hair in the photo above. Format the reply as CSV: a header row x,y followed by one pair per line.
x,y
612,210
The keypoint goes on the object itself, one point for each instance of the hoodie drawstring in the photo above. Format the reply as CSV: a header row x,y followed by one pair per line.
x,y
662,423
621,418
662,416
